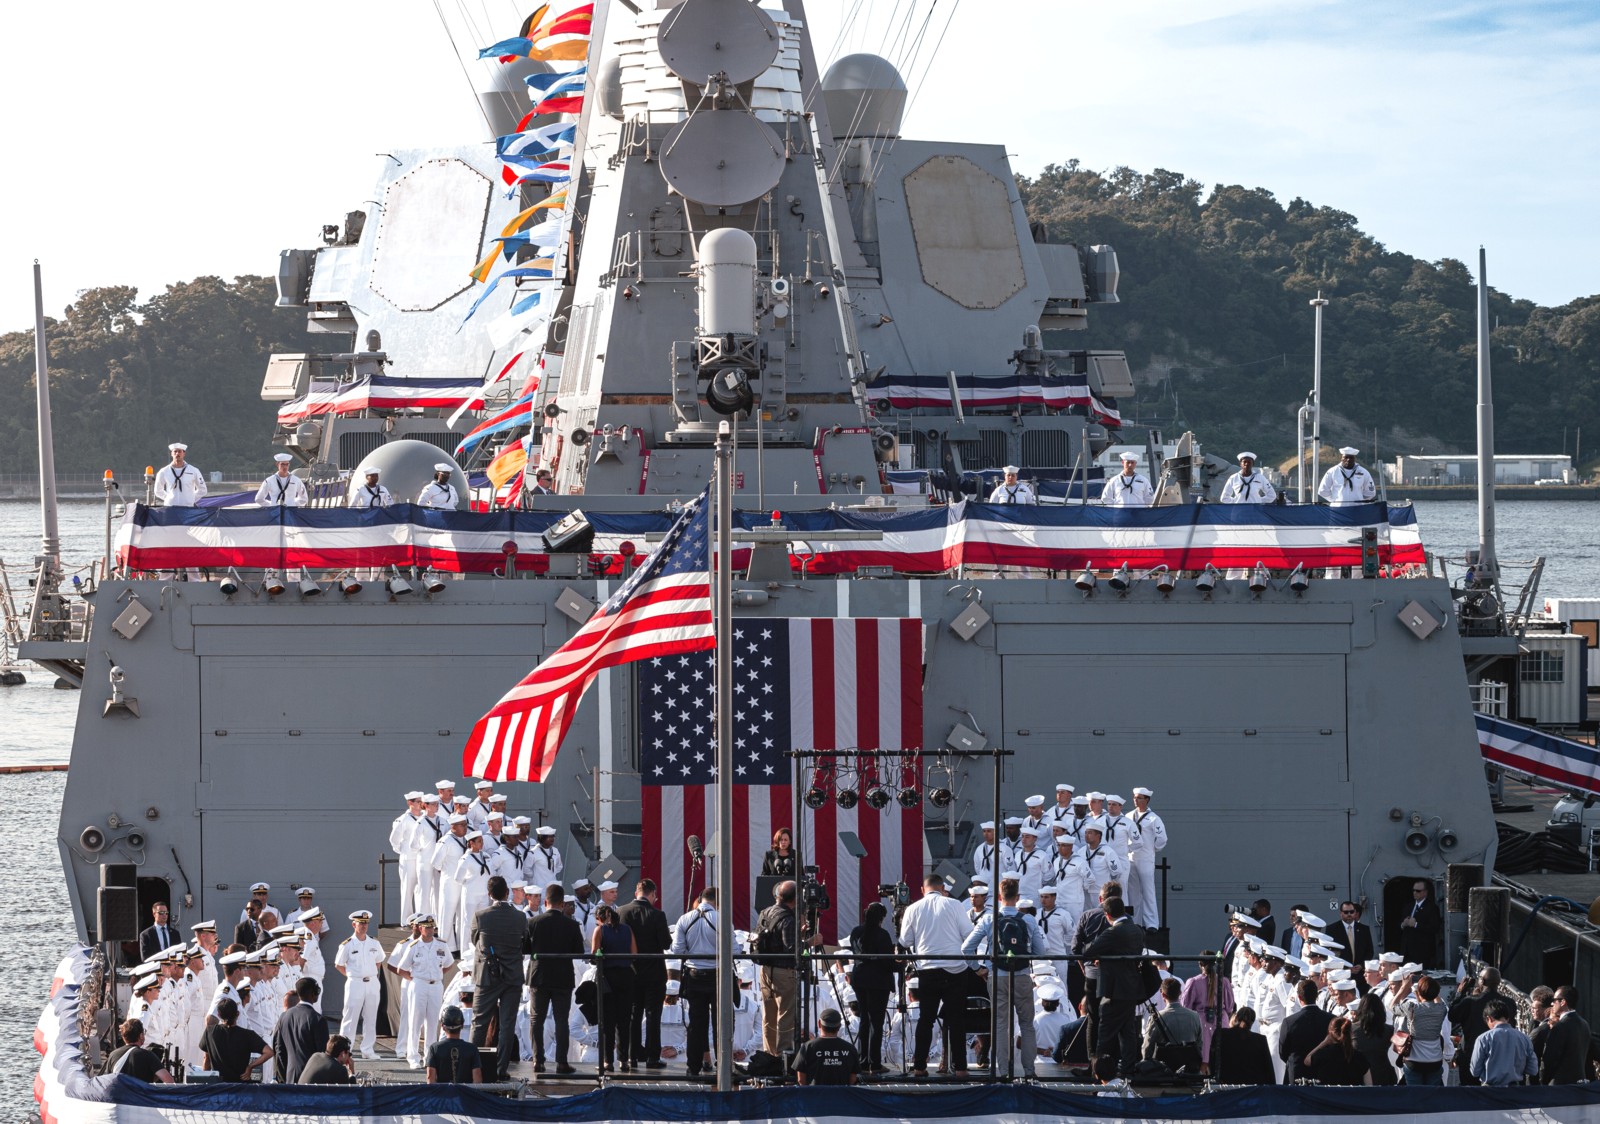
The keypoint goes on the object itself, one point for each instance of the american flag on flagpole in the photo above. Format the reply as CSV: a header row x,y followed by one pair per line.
x,y
663,609
853,683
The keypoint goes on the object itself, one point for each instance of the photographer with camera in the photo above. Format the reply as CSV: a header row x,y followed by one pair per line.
x,y
133,1060
778,936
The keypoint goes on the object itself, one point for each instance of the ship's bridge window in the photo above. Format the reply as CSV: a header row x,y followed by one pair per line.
x,y
1542,667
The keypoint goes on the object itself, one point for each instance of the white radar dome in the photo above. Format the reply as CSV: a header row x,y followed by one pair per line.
x,y
866,97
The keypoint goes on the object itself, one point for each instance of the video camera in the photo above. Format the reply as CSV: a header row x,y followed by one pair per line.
x,y
813,894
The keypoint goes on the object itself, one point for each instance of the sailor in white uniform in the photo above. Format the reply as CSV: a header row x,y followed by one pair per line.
x,y
478,811
1247,485
439,492
447,855
370,493
1102,862
1129,489
424,964
1035,816
1030,865
1119,832
180,484
359,960
1071,879
430,829
282,489
472,874
583,907
1150,837
402,834
983,855
1057,925
1061,813
544,864
674,1023
311,927
1347,483
1012,490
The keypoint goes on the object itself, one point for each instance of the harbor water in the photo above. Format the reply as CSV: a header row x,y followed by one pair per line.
x,y
36,728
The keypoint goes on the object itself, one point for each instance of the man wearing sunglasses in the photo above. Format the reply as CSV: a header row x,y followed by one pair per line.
x,y
1354,933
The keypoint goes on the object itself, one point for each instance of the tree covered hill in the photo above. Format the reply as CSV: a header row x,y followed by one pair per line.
x,y
1215,320
1213,316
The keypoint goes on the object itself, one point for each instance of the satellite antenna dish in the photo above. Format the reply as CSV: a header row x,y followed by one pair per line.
x,y
700,38
722,158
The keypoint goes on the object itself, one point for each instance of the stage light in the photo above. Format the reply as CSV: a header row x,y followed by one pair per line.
x,y
941,797
908,797
1085,581
1299,580
432,582
1259,579
273,584
816,796
878,796
309,588
1207,581
846,798
398,586
348,585
1119,580
1166,580
231,583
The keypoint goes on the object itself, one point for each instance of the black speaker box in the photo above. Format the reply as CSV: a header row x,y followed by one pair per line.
x,y
119,874
1459,881
117,913
1489,915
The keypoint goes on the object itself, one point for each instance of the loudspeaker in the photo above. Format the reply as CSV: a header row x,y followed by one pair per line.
x,y
119,874
1489,915
117,913
1459,880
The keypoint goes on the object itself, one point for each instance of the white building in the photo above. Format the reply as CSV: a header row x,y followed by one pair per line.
x,y
1463,469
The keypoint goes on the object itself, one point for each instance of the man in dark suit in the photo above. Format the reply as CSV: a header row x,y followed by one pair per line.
x,y
553,938
248,931
160,936
499,937
1302,1032
651,934
1120,987
301,1033
1419,929
1566,1047
1261,910
1467,1016
1354,933
1091,923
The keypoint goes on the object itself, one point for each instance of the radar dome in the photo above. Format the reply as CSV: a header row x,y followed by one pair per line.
x,y
405,467
865,96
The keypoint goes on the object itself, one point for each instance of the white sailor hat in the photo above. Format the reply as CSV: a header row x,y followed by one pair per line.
x,y
244,987
498,797
1080,798
1029,829
1025,903
1328,942
370,470
203,927
913,981
533,889
282,930
1273,952
1338,974
1295,961
481,785
1130,455
1255,944
606,885
269,954
253,958
1065,788
986,825
674,987
146,982
1092,795
259,887
443,467
501,816
1013,821
461,800
1349,451
458,817
1010,470
1035,801
1311,919
430,798
1345,985
149,966
471,835
1373,966
1246,919
1392,958
194,952
1049,890
414,794
1246,455
1140,790
445,784
1064,840
361,915
177,447
1094,823
1156,955
980,880
1409,969
174,955
1338,962
546,830
426,919
576,882
1115,799
512,828
311,914
1318,950
674,965
1051,992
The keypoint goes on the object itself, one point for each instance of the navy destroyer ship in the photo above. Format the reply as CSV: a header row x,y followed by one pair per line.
x,y
739,235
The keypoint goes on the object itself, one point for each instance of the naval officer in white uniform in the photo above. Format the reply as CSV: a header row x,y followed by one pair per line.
x,y
1247,485
180,484
1131,488
1347,483
439,492
1012,490
283,488
358,960
370,493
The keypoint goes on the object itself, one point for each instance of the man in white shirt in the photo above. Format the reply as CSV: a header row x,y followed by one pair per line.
x,y
933,929
180,484
1012,490
283,488
370,493
440,492
1347,483
1247,485
1150,836
1131,488
402,834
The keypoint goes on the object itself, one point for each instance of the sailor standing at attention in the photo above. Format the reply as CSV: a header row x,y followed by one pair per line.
x,y
545,864
439,492
1150,837
1247,485
983,854
1012,490
283,488
1347,483
402,833
1131,488
370,493
358,960
180,484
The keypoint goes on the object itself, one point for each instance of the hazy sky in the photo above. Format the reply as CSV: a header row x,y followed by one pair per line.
x,y
150,143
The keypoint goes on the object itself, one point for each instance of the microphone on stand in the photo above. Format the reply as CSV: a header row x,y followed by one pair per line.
x,y
696,851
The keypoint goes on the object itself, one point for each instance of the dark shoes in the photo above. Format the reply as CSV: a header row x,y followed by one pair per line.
x,y
564,1068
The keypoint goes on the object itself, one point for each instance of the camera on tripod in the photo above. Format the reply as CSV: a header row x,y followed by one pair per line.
x,y
813,894
898,893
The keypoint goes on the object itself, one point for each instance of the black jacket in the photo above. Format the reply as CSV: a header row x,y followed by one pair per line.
x,y
301,1034
775,865
1566,1052
872,975
502,928
1421,944
150,941
1119,979
1241,1057
1303,1031
1363,949
777,928
554,932
651,933
248,933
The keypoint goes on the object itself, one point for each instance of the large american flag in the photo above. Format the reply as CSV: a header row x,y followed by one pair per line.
x,y
662,609
801,683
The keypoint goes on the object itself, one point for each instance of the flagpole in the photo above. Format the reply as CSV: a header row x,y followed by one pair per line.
x,y
727,979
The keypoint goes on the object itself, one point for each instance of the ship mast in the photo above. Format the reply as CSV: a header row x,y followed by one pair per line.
x,y
1488,567
50,540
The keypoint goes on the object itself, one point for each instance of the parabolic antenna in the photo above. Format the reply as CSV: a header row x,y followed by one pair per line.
x,y
700,38
721,158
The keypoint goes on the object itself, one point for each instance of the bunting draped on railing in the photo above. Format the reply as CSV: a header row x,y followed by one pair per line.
x,y
921,541
1058,391
383,392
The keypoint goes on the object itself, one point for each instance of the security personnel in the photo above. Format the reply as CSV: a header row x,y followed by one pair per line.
x,y
1347,483
1012,490
1131,488
1247,485
424,964
359,960
282,489
439,492
402,833
696,942
544,864
372,494
1151,837
180,484
542,484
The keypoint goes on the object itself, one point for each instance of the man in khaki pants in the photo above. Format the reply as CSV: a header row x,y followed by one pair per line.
x,y
777,932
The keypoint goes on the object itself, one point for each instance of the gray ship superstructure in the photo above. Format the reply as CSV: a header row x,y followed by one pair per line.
x,y
1300,738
